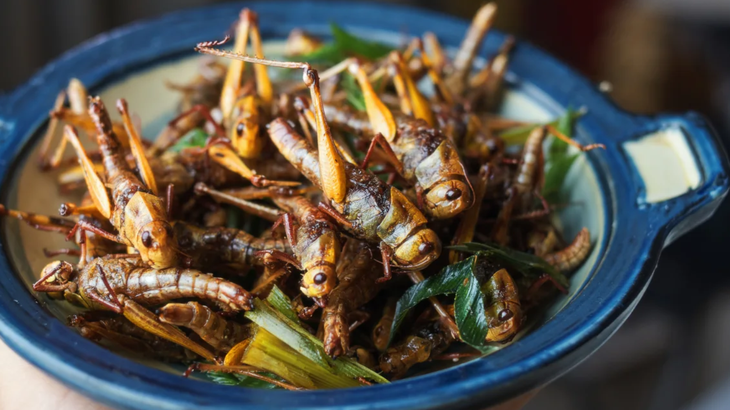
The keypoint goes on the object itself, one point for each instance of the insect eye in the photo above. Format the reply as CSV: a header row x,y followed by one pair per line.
x,y
453,194
147,239
239,129
320,278
505,314
425,247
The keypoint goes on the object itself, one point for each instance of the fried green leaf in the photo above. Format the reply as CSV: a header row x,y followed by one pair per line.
x,y
345,45
359,47
278,322
282,303
290,332
194,138
353,94
329,53
524,263
234,379
559,158
469,311
465,279
518,135
445,282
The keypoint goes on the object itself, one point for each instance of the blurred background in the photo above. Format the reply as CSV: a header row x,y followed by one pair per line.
x,y
659,55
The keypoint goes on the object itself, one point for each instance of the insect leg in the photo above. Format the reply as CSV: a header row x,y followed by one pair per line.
x,y
63,251
441,88
359,317
40,222
326,208
135,143
170,199
202,109
263,84
43,160
86,226
227,158
412,101
279,255
148,321
285,219
259,210
97,189
234,74
306,116
272,273
392,158
67,209
387,253
572,142
437,56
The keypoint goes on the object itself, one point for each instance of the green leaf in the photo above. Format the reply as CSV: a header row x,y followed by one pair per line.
x,y
357,46
555,172
288,331
559,159
282,303
564,125
194,138
518,135
469,310
464,278
347,366
445,282
234,379
353,94
328,53
295,336
524,263
345,45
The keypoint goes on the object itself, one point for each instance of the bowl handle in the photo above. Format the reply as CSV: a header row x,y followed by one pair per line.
x,y
681,167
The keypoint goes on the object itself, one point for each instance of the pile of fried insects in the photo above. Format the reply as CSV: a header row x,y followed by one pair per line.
x,y
363,213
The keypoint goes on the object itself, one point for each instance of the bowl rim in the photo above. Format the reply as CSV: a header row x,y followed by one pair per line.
x,y
635,232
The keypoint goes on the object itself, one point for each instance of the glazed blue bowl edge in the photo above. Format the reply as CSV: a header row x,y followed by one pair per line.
x,y
584,324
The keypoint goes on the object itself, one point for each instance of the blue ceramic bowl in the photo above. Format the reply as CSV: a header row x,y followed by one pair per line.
x,y
658,177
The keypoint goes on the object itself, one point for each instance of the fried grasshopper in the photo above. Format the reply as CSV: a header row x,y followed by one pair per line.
x,y
137,213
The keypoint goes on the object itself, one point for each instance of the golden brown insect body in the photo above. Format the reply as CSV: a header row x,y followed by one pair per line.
x,y
124,285
224,245
138,215
568,259
357,272
122,332
317,245
504,311
416,348
314,240
150,287
381,331
430,161
375,211
219,333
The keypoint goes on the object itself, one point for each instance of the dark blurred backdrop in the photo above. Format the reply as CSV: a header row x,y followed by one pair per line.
x,y
658,55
